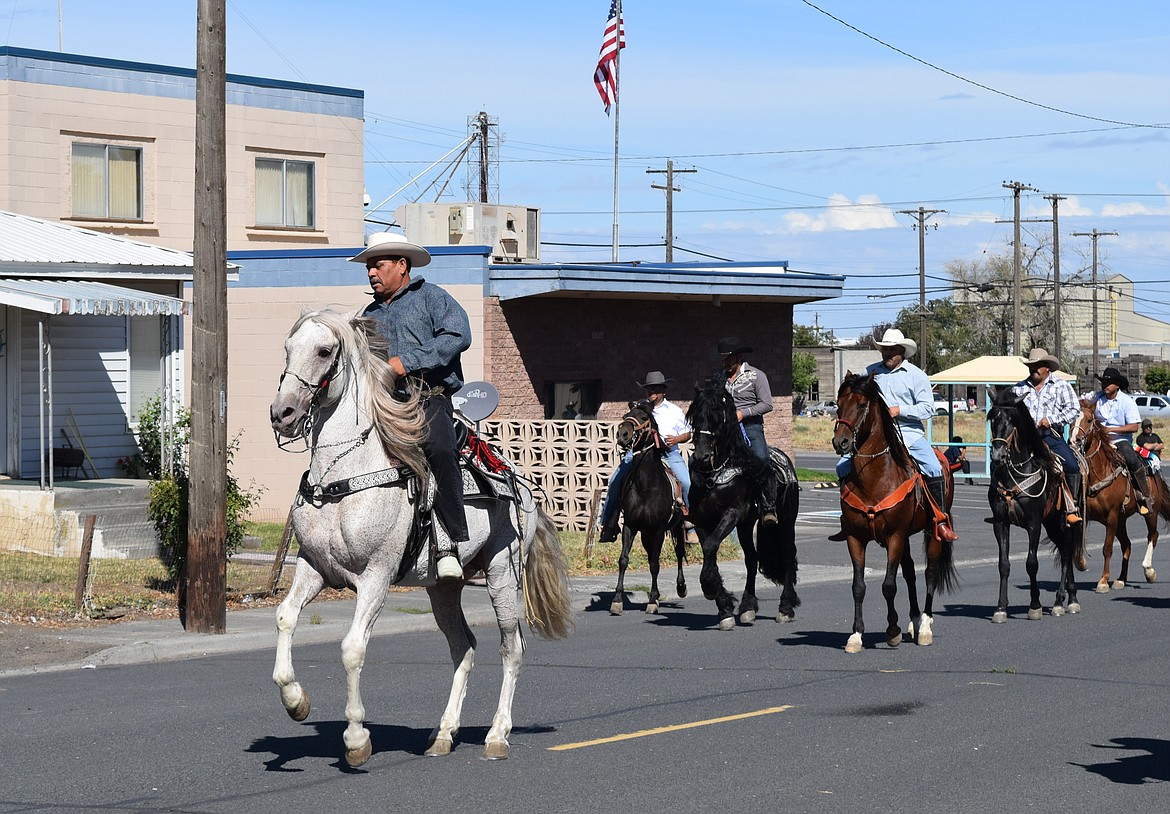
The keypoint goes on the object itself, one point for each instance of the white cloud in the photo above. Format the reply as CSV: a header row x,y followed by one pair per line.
x,y
842,215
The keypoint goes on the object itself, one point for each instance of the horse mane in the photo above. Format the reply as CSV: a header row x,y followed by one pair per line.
x,y
1096,432
865,384
713,407
400,425
1010,404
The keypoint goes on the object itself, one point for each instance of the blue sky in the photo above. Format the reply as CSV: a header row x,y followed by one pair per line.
x,y
807,134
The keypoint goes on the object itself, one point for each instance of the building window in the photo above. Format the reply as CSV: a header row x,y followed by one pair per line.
x,y
284,193
107,181
146,363
572,400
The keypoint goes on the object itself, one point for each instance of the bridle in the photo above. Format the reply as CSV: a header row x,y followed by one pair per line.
x,y
854,428
319,393
641,430
1013,468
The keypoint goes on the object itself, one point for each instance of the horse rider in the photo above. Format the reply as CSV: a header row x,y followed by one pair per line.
x,y
427,332
1149,445
752,395
672,423
1117,413
1053,404
906,391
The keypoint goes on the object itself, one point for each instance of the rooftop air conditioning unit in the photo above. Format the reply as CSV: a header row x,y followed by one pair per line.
x,y
512,232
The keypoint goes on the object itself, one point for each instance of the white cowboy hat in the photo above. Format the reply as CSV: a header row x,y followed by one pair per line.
x,y
392,244
893,337
1039,356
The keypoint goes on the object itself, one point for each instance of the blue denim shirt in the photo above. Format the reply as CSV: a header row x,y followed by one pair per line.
x,y
427,329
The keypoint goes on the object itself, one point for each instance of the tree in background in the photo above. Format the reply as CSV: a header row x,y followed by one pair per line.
x,y
804,376
1157,379
805,336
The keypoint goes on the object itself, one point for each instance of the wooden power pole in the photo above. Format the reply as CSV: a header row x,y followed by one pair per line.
x,y
1096,339
670,190
1056,199
920,217
1017,283
207,521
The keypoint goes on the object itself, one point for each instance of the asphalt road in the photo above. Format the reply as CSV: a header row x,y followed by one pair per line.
x,y
649,713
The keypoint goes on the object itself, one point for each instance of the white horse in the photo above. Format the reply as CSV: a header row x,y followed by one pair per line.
x,y
353,516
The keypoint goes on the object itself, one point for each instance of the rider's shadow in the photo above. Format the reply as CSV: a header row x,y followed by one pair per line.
x,y
1155,602
830,639
1152,766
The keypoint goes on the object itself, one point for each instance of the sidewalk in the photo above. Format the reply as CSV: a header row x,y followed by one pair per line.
x,y
150,640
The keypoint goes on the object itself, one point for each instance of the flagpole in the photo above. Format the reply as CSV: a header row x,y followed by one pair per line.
x,y
616,108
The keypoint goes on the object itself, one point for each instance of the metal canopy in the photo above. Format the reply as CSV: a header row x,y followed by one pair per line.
x,y
60,297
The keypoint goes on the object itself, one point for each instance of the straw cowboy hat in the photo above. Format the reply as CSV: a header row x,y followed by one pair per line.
x,y
893,337
391,244
1112,375
731,344
654,379
1039,356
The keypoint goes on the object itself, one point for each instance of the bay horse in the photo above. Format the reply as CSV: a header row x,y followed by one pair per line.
x,y
1111,499
1025,491
647,503
354,514
722,498
884,498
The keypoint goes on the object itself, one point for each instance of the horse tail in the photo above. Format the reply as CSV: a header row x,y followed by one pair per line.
x,y
1164,503
548,607
776,545
948,575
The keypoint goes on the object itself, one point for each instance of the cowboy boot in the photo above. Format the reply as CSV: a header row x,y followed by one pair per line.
x,y
1073,479
938,491
768,488
1142,485
610,528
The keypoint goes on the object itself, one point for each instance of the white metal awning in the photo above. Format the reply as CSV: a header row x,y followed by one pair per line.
x,y
78,297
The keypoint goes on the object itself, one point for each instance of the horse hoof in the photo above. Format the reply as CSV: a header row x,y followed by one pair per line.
x,y
616,609
1057,610
1151,574
999,617
894,639
727,624
357,757
1035,614
854,644
439,748
496,750
301,711
784,618
651,607
925,638
747,617
1118,585
1074,607
681,590
1102,588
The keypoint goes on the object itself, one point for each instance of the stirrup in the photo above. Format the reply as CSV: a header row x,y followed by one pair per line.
x,y
1072,518
448,567
944,532
1143,509
769,518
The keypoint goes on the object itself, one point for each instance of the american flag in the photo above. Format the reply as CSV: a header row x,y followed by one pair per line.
x,y
605,77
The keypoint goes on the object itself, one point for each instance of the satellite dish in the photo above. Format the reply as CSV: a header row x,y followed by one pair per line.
x,y
476,400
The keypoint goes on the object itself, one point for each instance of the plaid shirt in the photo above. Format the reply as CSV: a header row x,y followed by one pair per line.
x,y
1055,401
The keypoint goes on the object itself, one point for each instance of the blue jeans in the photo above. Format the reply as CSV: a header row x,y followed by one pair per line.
x,y
1067,459
920,450
613,494
755,436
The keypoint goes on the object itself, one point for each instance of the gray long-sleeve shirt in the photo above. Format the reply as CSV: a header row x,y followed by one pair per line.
x,y
751,392
427,330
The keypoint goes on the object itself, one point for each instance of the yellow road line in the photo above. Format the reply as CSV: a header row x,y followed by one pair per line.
x,y
673,728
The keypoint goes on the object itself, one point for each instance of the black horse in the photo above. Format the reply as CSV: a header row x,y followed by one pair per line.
x,y
647,502
723,496
1025,489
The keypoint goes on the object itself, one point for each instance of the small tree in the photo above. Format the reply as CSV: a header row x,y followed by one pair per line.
x,y
804,376
1157,379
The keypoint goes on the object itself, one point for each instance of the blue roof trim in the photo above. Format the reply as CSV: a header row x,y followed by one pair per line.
x,y
170,70
295,254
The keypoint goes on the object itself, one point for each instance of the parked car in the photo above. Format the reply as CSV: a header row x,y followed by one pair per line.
x,y
1153,406
826,408
942,406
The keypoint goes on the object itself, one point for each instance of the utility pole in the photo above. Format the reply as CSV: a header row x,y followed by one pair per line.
x,y
920,217
670,190
482,121
1096,344
206,592
1016,187
1056,199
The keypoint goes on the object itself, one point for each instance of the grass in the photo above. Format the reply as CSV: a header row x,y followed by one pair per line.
x,y
817,433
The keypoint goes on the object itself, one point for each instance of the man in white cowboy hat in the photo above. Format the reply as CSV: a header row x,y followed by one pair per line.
x,y
427,331
1117,412
1053,405
672,423
906,391
752,395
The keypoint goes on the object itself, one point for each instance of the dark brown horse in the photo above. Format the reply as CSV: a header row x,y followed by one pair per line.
x,y
884,498
1110,498
647,502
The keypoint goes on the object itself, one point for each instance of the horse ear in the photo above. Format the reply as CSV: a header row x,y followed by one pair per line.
x,y
632,405
848,373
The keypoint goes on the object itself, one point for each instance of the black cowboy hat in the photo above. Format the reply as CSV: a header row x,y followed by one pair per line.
x,y
655,379
731,344
1112,375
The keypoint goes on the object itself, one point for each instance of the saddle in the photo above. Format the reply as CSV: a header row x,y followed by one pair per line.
x,y
676,488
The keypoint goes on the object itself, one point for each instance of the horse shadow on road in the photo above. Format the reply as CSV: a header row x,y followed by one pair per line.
x,y
323,742
1151,766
